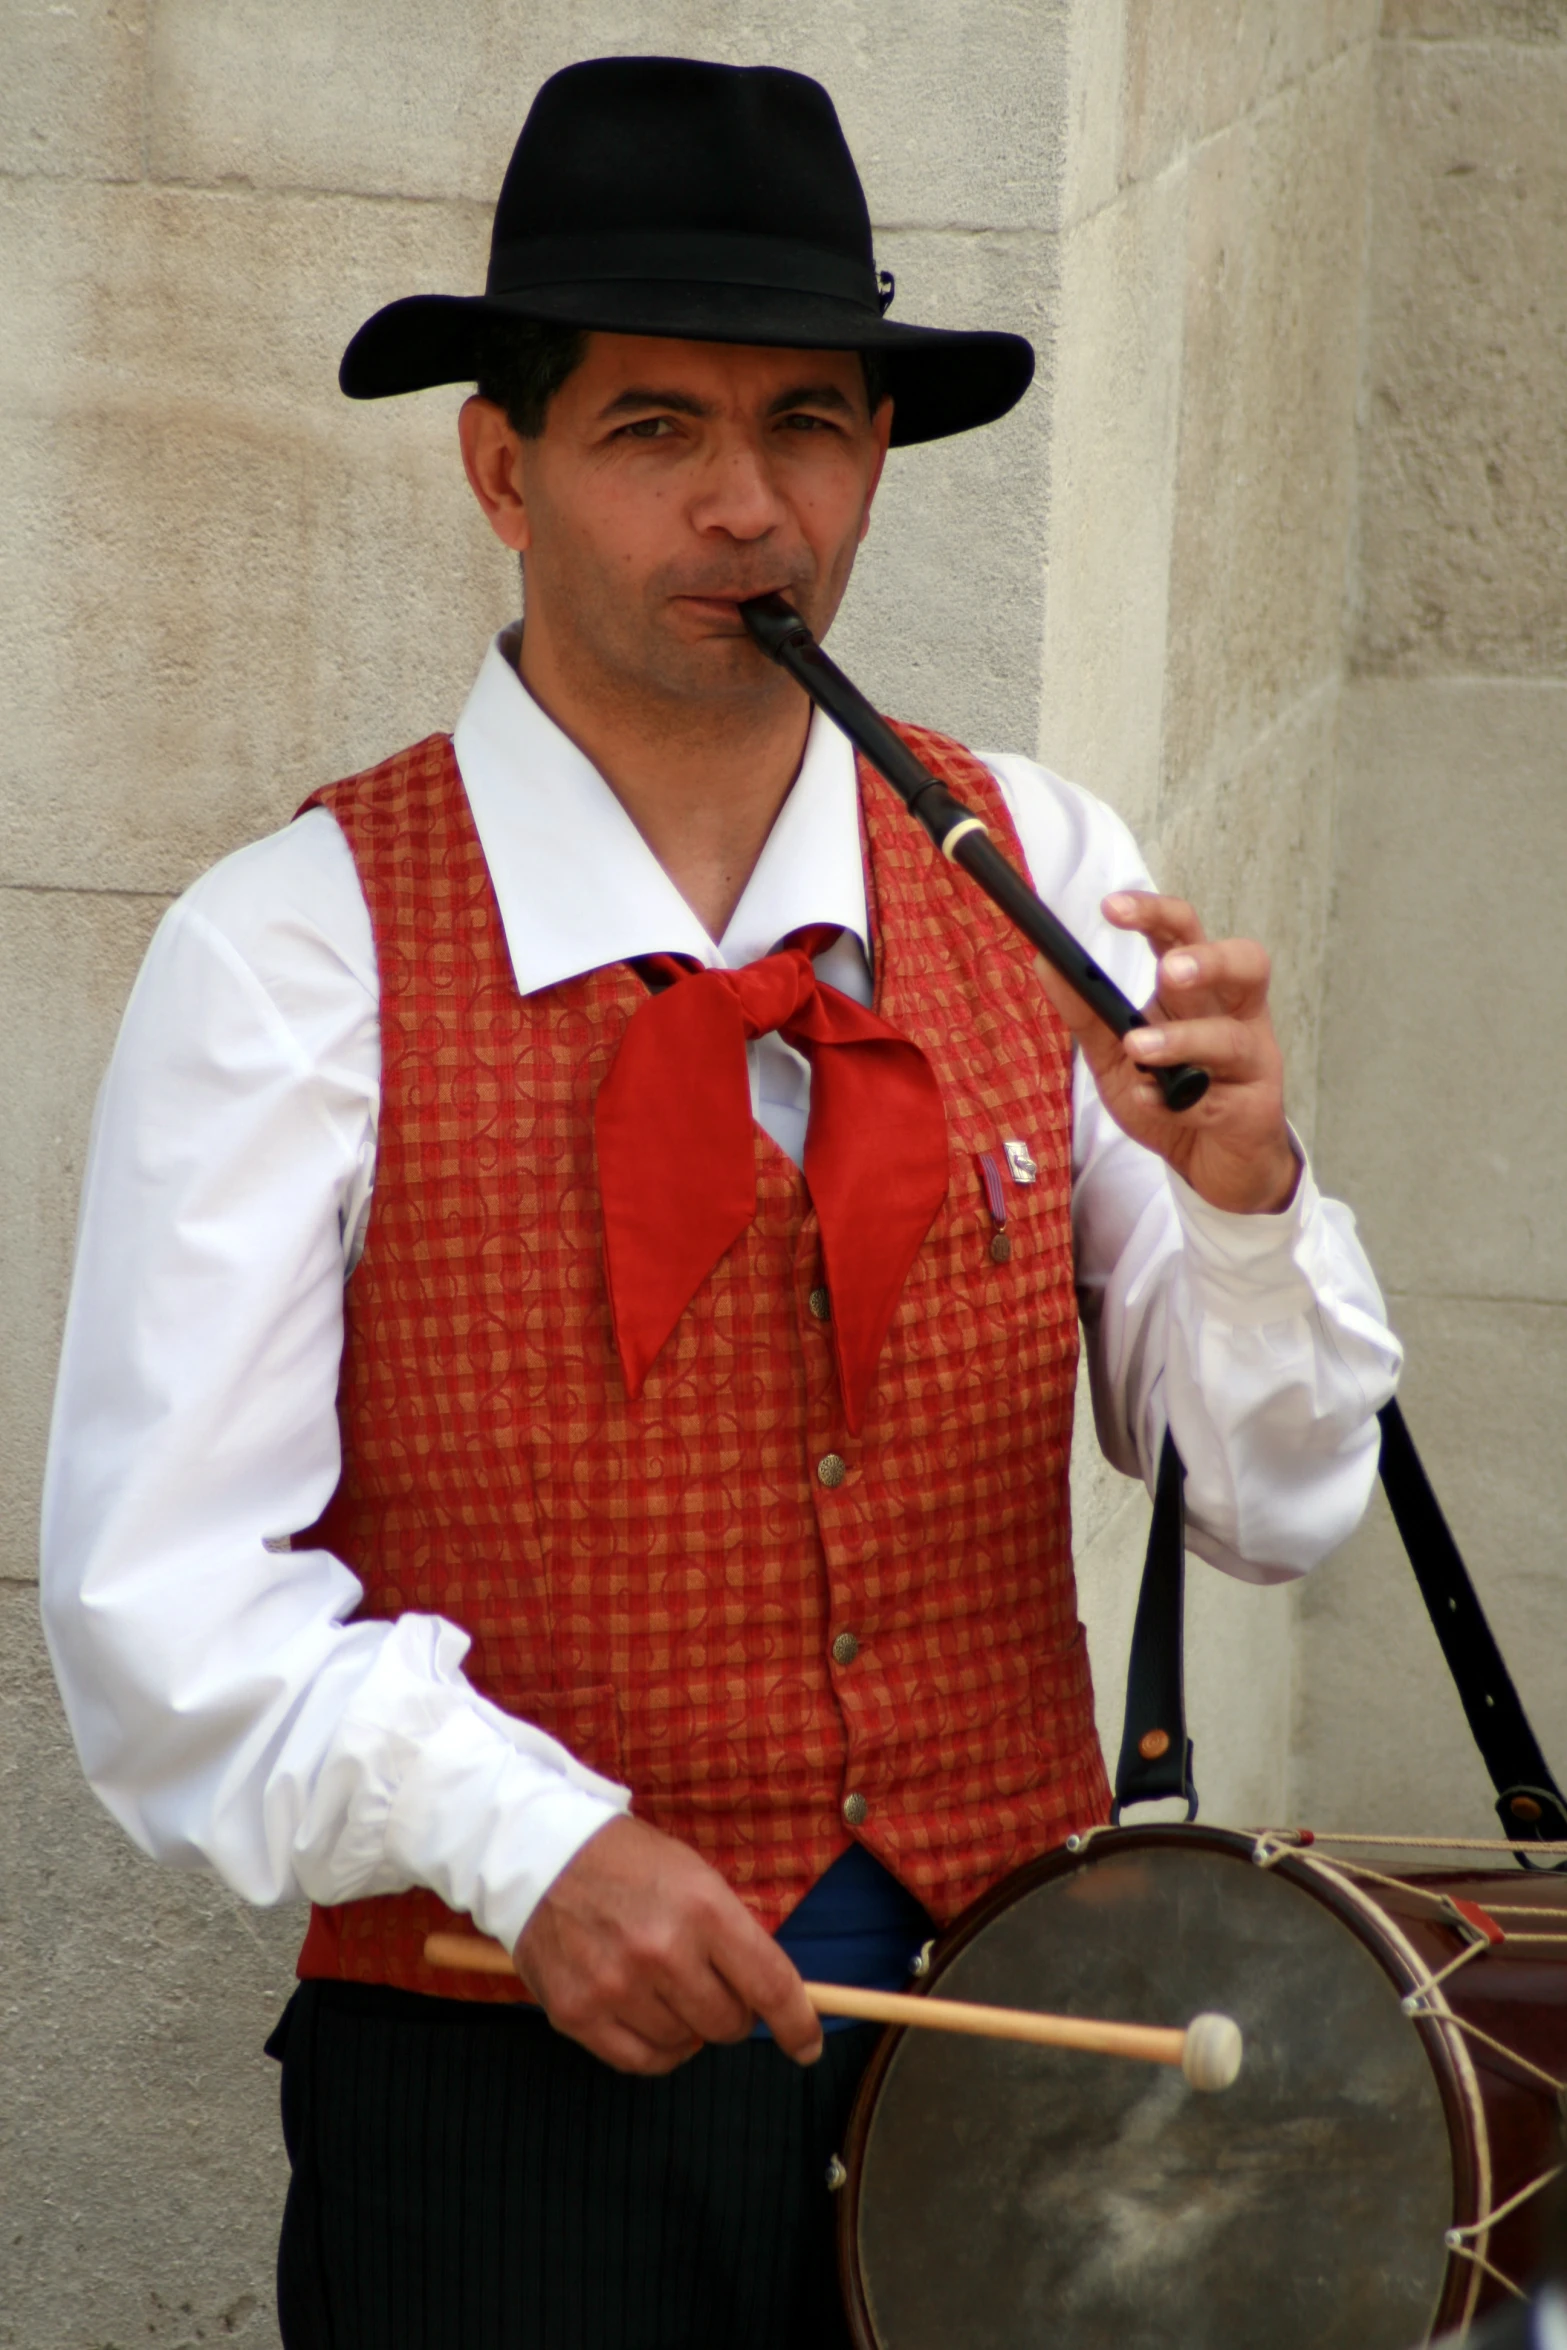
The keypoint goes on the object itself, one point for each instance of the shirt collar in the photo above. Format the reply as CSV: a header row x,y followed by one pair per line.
x,y
577,885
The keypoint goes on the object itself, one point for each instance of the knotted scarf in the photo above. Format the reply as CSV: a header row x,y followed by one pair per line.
x,y
677,1149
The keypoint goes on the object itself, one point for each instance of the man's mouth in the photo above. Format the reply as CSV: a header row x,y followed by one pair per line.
x,y
724,603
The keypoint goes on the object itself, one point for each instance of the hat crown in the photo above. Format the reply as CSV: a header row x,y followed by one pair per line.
x,y
665,196
620,146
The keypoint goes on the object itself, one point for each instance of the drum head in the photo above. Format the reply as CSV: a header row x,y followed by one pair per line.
x,y
1007,2196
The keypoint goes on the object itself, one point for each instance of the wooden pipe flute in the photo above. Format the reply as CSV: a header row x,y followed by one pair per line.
x,y
956,830
1208,2051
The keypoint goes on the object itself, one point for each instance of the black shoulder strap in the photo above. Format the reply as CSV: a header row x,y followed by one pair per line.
x,y
1529,1803
1155,1750
1156,1754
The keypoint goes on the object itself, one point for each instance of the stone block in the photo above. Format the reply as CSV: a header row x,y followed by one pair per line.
x,y
223,583
1252,848
1115,397
1192,71
1443,1121
1240,1652
1094,69
1474,20
66,967
1109,1570
953,114
220,295
1098,1491
139,2138
1463,530
1381,1739
72,88
1264,477
1238,1669
942,621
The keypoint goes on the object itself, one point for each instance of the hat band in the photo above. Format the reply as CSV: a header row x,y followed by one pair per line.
x,y
682,257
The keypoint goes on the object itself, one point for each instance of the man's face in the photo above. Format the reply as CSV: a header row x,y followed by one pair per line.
x,y
671,481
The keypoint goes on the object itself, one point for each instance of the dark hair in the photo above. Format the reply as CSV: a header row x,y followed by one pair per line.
x,y
522,364
524,361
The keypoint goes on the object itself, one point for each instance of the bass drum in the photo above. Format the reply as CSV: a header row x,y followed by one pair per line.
x,y
1372,2177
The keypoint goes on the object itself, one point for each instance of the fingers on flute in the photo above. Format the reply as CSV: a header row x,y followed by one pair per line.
x,y
1164,922
1233,973
1234,1052
1075,1015
1100,1045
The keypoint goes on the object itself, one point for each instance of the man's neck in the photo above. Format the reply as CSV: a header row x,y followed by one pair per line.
x,y
702,782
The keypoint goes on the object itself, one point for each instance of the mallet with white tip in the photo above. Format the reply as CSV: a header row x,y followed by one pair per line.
x,y
1208,2051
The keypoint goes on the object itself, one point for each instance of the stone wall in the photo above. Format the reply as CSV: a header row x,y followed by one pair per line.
x,y
1199,529
222,583
1442,1106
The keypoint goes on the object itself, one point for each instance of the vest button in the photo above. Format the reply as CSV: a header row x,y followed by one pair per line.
x,y
855,1808
832,1469
820,1303
845,1649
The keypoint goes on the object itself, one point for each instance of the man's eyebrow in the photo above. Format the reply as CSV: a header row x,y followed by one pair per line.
x,y
641,397
636,399
816,395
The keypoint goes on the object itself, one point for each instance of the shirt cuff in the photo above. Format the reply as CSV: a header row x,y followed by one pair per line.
x,y
428,1783
528,1852
488,1827
1252,1269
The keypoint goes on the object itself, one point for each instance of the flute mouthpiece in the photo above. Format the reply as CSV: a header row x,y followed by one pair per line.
x,y
775,625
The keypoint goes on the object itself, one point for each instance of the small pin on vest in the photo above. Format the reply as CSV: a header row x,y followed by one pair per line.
x,y
1021,1163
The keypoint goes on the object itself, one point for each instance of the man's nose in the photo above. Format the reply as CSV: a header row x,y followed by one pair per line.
x,y
739,495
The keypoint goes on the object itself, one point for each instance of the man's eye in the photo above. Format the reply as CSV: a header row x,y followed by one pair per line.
x,y
647,428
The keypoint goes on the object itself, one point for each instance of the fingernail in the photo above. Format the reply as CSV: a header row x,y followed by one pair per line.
x,y
1120,904
1145,1044
1182,969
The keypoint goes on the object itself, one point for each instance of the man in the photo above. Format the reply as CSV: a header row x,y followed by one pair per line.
x,y
676,1578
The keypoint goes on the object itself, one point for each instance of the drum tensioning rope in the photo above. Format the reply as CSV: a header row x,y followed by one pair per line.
x,y
1208,2052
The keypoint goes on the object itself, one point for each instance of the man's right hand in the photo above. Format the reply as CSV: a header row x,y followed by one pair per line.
x,y
641,1951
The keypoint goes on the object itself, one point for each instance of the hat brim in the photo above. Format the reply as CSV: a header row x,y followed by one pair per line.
x,y
941,379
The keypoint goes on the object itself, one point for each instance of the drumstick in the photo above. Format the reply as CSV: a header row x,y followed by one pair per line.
x,y
1208,2052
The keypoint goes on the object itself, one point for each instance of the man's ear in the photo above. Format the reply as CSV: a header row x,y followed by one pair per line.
x,y
492,460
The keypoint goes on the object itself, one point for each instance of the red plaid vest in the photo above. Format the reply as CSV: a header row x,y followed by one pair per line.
x,y
660,1584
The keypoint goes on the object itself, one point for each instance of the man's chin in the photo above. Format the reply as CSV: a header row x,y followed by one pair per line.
x,y
718,668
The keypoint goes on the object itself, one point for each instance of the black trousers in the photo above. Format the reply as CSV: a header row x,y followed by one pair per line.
x,y
464,2178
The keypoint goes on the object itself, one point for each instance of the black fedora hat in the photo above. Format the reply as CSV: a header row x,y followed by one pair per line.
x,y
716,203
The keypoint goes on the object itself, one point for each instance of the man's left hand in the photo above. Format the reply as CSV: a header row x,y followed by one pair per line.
x,y
1210,1006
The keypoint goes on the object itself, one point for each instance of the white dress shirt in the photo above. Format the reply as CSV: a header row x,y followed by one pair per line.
x,y
227,1709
